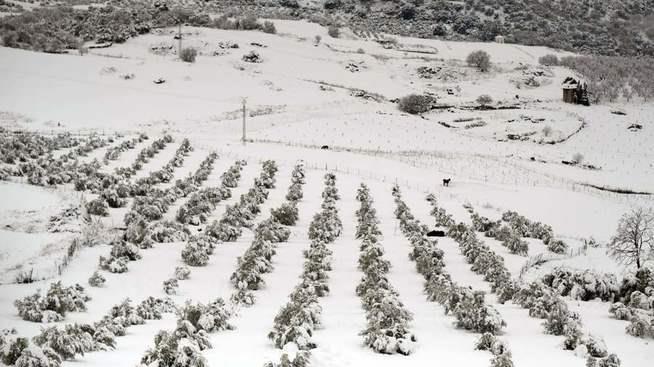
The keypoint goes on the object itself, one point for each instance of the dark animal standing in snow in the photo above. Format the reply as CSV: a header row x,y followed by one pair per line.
x,y
446,182
324,147
436,233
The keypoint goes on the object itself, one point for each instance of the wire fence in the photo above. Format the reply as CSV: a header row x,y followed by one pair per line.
x,y
474,171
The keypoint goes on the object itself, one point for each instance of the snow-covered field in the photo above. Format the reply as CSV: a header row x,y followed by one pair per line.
x,y
302,97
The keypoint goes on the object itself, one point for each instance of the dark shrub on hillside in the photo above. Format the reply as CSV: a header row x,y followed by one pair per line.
x,y
332,4
479,59
415,103
249,23
269,27
548,60
188,54
407,11
440,30
333,31
293,4
484,100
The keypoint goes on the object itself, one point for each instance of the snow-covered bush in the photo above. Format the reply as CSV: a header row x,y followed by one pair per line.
x,y
294,193
483,224
121,253
297,320
292,356
113,197
68,342
325,226
125,314
11,349
113,265
252,265
211,317
96,280
620,311
97,207
501,354
122,249
557,246
137,231
34,356
640,300
271,230
231,177
152,308
182,272
641,325
196,209
269,169
197,250
167,231
170,286
316,265
611,360
642,281
295,190
286,214
584,285
181,348
57,301
224,232
472,313
515,244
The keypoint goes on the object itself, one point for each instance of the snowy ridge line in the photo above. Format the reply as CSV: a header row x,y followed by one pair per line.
x,y
184,346
541,301
296,321
467,306
387,330
59,343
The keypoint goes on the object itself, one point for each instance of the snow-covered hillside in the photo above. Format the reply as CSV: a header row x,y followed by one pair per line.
x,y
138,211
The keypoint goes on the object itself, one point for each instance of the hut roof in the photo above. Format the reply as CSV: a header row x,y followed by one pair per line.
x,y
571,83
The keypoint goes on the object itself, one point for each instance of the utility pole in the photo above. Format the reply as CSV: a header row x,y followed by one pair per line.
x,y
179,35
244,100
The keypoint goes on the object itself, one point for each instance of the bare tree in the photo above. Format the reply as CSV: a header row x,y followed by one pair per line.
x,y
634,238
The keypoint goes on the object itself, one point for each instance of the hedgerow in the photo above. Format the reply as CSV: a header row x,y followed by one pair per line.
x,y
297,320
467,306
